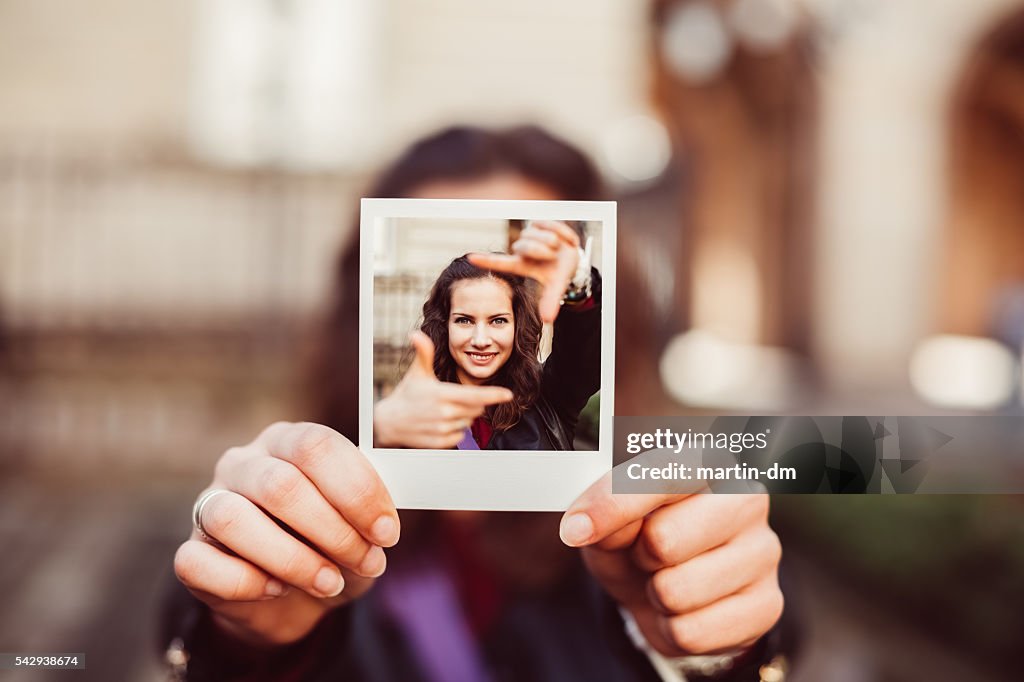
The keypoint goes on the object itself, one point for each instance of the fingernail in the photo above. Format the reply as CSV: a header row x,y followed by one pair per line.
x,y
274,588
576,529
328,582
373,563
385,531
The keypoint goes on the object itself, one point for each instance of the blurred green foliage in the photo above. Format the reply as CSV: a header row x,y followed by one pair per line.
x,y
951,564
589,425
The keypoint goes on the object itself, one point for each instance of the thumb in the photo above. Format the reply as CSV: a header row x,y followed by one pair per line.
x,y
424,347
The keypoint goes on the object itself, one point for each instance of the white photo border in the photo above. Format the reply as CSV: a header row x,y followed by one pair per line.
x,y
492,480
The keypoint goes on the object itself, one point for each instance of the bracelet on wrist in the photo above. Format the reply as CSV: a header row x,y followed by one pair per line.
x,y
579,288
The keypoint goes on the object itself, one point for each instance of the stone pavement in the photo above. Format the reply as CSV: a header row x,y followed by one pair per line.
x,y
81,567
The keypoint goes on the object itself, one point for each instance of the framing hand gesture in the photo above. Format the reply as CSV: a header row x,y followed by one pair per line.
x,y
424,412
547,251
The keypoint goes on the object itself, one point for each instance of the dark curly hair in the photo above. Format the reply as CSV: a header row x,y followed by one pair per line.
x,y
522,371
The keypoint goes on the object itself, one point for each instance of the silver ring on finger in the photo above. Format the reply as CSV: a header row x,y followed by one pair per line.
x,y
197,511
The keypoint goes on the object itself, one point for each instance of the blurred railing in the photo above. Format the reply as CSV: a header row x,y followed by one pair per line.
x,y
397,309
154,307
102,237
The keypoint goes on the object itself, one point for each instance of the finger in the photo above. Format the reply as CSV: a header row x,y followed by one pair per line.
x,y
285,493
597,514
479,396
453,424
424,347
437,435
554,290
618,575
715,574
342,474
624,536
460,413
500,262
203,568
544,236
564,232
444,428
450,426
443,442
734,622
240,456
677,533
534,250
241,527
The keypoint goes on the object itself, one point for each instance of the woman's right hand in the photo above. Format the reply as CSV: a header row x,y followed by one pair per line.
x,y
423,412
264,585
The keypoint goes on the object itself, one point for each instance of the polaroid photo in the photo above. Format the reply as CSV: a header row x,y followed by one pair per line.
x,y
549,435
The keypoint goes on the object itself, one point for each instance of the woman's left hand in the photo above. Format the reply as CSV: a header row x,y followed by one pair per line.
x,y
698,572
547,251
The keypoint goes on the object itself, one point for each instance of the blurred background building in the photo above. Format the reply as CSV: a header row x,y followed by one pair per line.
x,y
823,198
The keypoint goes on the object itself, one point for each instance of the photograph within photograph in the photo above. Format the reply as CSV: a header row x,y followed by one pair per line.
x,y
487,334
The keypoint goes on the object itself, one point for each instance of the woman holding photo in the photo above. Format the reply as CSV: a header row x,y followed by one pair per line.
x,y
289,537
481,335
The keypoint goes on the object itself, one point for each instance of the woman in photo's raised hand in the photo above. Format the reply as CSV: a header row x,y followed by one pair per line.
x,y
546,251
423,412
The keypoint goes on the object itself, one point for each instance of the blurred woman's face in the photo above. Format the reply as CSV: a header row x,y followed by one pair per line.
x,y
481,328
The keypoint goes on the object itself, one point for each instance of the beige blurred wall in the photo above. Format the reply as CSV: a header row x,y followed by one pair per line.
x,y
88,90
575,65
122,69
109,68
157,298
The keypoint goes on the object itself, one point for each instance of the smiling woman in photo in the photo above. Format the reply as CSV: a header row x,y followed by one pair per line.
x,y
477,381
